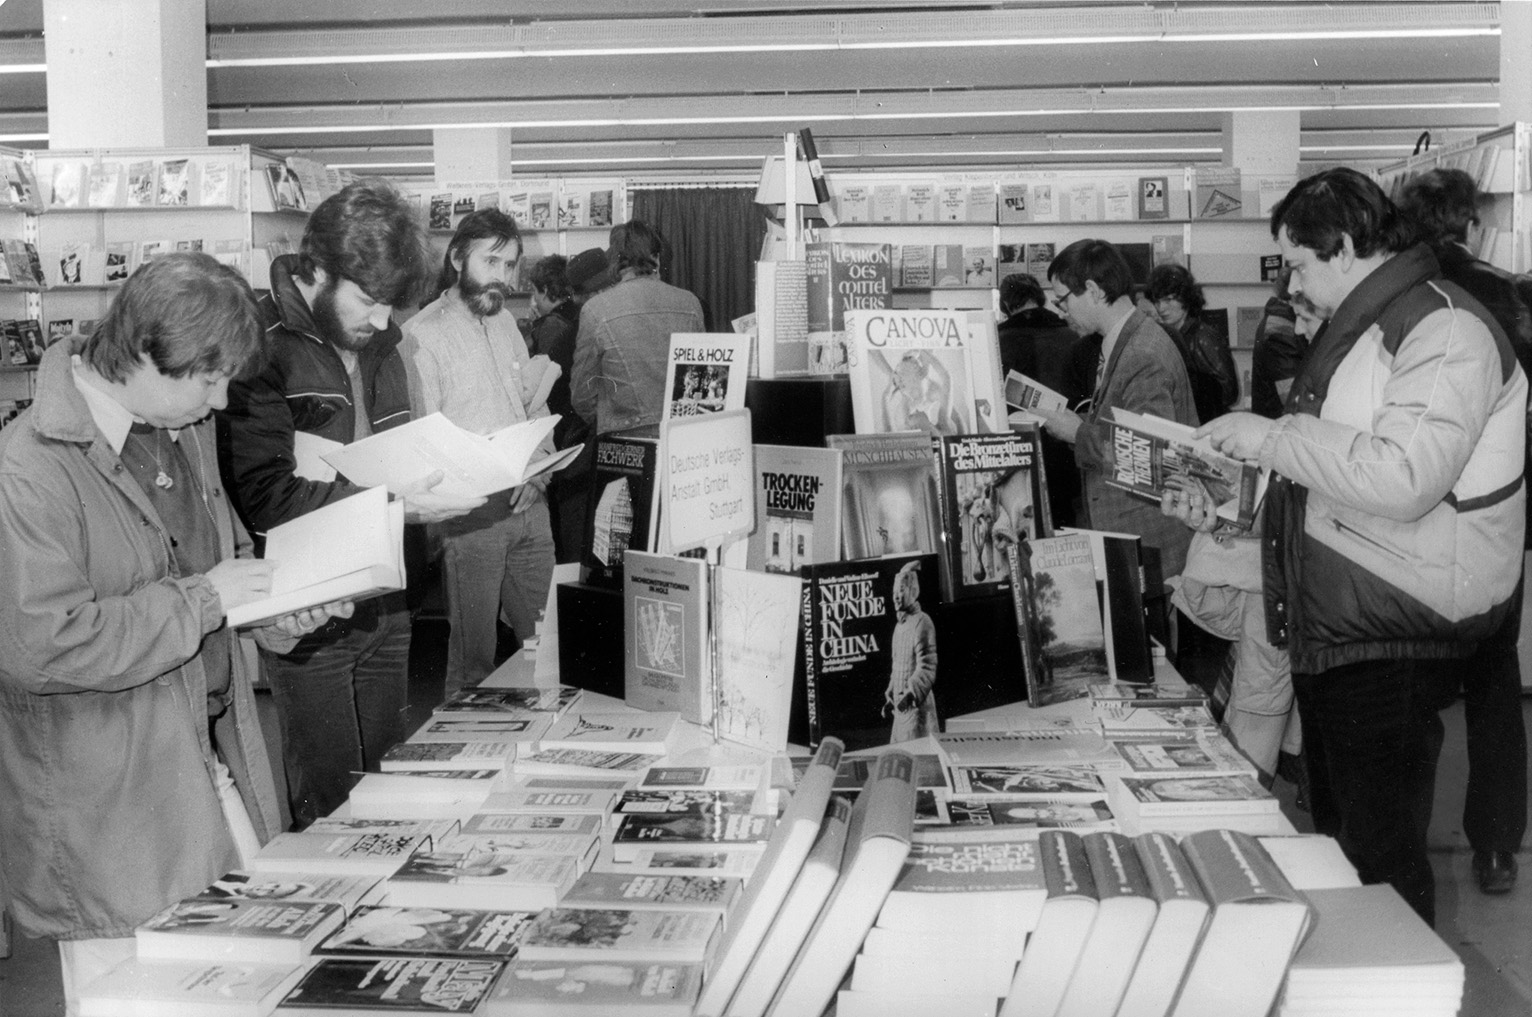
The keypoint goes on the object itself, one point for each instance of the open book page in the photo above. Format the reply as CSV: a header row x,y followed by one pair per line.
x,y
472,465
1152,454
308,454
347,550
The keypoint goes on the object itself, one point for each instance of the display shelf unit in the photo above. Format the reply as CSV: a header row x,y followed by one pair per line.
x,y
244,227
18,221
1500,161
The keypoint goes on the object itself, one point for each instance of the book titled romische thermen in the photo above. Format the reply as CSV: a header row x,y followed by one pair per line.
x,y
870,647
1152,455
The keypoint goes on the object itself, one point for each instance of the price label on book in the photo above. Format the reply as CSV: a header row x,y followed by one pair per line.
x,y
708,466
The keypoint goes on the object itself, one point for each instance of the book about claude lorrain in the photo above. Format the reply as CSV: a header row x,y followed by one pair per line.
x,y
870,650
992,493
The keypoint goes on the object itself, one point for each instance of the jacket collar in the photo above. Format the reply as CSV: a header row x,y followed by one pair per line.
x,y
1357,312
62,413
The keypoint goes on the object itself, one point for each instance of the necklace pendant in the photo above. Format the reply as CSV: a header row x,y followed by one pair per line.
x,y
163,481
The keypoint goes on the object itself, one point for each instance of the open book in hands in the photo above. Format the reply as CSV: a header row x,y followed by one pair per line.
x,y
1150,455
351,549
473,465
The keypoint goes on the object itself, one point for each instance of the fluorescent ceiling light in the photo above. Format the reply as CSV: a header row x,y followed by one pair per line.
x,y
12,138
23,68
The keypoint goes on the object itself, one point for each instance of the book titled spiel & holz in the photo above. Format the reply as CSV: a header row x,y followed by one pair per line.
x,y
992,493
1151,455
870,650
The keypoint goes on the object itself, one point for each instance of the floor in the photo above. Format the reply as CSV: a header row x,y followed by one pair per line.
x,y
1493,935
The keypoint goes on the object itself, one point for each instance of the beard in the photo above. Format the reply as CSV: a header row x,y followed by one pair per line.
x,y
327,321
484,299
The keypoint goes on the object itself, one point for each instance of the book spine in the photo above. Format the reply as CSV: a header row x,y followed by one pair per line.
x,y
1165,866
1234,867
890,798
1066,867
1032,662
810,664
1115,865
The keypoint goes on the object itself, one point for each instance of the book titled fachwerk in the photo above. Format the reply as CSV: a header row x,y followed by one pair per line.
x,y
348,550
473,465
1151,455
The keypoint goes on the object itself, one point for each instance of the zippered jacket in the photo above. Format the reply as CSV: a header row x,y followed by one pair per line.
x,y
1393,527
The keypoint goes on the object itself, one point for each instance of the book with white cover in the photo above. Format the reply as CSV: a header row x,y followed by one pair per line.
x,y
474,465
238,884
457,875
567,801
531,824
474,755
956,879
931,976
873,1003
583,763
1047,745
1366,939
1125,914
590,988
715,894
1180,796
359,854
740,777
667,665
1258,922
482,728
515,701
784,856
812,887
921,370
628,731
1053,950
872,865
1183,911
1210,753
348,550
268,932
188,988
705,373
720,861
422,794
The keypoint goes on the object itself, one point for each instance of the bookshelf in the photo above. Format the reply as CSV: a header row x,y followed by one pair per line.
x,y
18,300
110,208
1500,161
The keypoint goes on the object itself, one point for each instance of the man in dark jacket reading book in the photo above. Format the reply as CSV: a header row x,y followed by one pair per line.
x,y
132,768
472,366
1140,369
333,374
1393,526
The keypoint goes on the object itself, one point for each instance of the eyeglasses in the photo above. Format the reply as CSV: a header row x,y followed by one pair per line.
x,y
1061,301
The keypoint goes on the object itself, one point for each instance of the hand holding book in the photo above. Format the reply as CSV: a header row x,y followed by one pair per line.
x,y
1240,435
424,504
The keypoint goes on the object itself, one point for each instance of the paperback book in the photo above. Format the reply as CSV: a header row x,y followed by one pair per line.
x,y
1065,618
1033,813
625,501
690,832
642,989
992,494
377,930
189,988
666,660
1152,455
1210,795
755,626
870,650
460,874
714,894
890,503
797,508
468,755
1063,781
646,730
622,935
513,700
401,986
705,373
266,932
1053,950
583,763
238,884
922,370
956,880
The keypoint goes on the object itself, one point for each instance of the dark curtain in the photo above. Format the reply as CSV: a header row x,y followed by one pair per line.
x,y
712,239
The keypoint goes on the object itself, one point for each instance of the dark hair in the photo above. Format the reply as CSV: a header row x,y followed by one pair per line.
x,y
637,246
589,271
1177,282
549,276
1441,204
1019,290
1321,210
1098,260
188,313
484,224
368,233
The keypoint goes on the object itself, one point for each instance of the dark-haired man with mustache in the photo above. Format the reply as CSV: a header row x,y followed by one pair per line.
x,y
470,363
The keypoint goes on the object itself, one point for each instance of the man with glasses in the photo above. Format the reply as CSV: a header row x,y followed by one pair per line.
x,y
1139,370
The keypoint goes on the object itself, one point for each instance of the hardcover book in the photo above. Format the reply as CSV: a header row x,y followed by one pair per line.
x,y
625,935
924,370
1125,915
797,508
1178,923
262,931
461,875
238,884
871,649
625,501
375,931
1053,950
956,879
549,988
400,986
168,988
1152,455
992,493
667,664
472,755
842,277
739,830
890,503
781,309
705,373
916,269
789,847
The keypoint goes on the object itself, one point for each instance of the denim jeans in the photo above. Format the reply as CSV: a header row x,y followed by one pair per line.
x,y
341,698
496,562
1372,734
